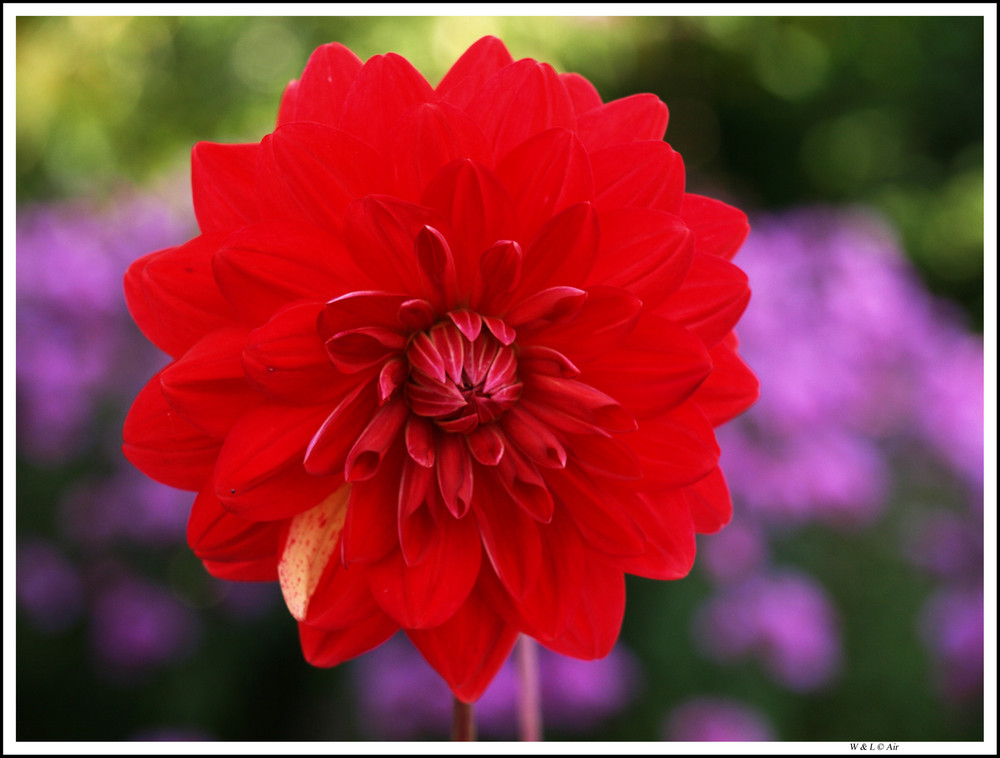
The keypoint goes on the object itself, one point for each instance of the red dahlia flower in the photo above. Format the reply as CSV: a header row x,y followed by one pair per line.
x,y
446,359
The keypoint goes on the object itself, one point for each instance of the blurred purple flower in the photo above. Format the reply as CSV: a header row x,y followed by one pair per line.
x,y
784,620
715,719
952,627
136,625
75,343
126,506
946,544
734,553
49,588
400,696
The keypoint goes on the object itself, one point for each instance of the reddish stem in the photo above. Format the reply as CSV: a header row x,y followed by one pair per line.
x,y
529,711
463,722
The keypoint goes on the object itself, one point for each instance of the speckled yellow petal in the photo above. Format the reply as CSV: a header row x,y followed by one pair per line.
x,y
311,540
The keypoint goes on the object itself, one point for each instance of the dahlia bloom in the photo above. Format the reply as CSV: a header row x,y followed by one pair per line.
x,y
446,359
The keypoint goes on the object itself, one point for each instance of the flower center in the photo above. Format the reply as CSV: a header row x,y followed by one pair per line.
x,y
458,382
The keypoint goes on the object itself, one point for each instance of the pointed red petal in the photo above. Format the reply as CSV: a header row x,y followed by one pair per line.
x,y
598,619
533,438
327,450
379,231
710,503
498,275
584,95
263,267
546,174
163,445
564,250
601,514
718,229
310,171
207,385
711,299
579,400
675,449
730,389
263,570
285,358
468,649
554,305
222,185
520,101
216,535
383,90
657,367
472,70
371,531
437,266
366,456
510,536
665,521
486,444
454,474
342,598
638,175
428,137
325,648
630,119
173,297
645,251
429,593
478,212
525,485
319,95
259,474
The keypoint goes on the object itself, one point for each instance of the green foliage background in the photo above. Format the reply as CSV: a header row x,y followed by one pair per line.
x,y
769,112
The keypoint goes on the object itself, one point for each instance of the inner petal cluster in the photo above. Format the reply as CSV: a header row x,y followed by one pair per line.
x,y
460,379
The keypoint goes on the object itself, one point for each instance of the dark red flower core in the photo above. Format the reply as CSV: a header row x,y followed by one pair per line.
x,y
461,379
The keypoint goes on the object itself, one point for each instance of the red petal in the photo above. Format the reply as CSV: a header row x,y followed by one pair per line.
x,y
285,358
665,521
538,359
599,512
657,367
644,251
533,438
312,171
327,451
675,449
454,474
207,385
437,266
525,485
730,389
499,274
521,100
471,71
477,210
263,267
428,137
564,250
383,90
710,503
264,570
319,95
603,454
165,447
718,229
357,310
222,185
366,456
579,400
371,532
259,474
599,615
638,175
173,297
468,323
510,537
711,299
429,593
630,119
606,319
468,649
546,174
326,648
584,95
486,445
554,305
216,535
379,231
287,107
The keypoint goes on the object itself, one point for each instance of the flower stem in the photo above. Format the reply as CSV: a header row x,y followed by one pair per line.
x,y
529,712
463,722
